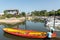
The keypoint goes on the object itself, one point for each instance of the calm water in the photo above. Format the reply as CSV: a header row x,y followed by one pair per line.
x,y
29,25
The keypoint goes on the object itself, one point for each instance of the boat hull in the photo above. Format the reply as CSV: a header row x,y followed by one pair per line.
x,y
26,33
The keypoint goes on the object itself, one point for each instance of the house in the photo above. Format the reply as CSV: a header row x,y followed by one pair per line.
x,y
14,12
1,14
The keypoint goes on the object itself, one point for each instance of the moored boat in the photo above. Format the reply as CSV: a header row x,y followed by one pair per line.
x,y
27,33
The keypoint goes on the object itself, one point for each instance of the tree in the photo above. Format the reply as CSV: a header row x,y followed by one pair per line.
x,y
43,12
52,13
35,13
23,13
10,15
5,12
58,12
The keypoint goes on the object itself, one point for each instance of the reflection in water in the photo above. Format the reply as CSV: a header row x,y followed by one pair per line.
x,y
29,25
37,20
12,26
12,36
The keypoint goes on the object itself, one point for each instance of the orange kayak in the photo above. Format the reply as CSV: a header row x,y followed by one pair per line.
x,y
27,33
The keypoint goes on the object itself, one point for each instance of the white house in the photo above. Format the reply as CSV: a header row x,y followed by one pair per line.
x,y
1,14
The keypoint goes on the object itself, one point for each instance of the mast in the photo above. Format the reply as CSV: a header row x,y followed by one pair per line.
x,y
54,20
25,21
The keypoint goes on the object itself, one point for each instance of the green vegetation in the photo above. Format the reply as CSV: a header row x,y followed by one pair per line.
x,y
23,13
33,13
37,20
45,13
10,15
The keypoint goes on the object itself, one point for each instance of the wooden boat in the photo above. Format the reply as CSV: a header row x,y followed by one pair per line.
x,y
27,33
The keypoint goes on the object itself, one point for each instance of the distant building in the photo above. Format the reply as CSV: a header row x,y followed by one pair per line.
x,y
14,12
1,14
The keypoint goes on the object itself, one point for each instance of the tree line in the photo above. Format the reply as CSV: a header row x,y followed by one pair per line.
x,y
8,15
46,13
33,13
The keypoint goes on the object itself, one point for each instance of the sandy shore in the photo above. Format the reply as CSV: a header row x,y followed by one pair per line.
x,y
12,20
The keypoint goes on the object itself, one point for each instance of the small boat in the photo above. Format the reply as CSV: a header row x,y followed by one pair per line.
x,y
51,21
27,33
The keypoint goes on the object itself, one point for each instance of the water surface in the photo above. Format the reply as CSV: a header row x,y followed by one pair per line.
x,y
28,25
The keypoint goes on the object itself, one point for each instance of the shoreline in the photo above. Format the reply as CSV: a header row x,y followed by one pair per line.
x,y
12,20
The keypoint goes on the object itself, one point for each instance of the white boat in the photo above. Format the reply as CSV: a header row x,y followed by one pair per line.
x,y
50,22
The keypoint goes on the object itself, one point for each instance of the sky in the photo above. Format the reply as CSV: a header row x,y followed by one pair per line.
x,y
29,5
